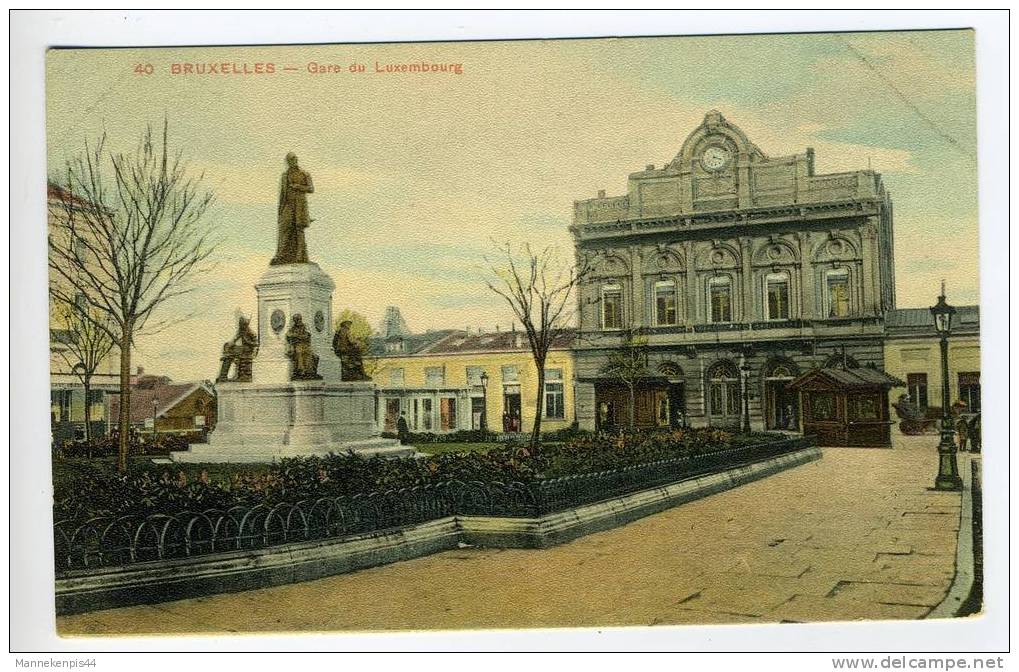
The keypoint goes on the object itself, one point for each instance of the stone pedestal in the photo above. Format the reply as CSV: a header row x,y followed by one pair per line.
x,y
272,416
285,291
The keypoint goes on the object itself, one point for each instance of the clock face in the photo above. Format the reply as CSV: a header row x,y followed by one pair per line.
x,y
715,158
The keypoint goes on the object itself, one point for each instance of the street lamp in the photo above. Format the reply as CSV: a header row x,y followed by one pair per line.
x,y
484,400
744,370
948,467
155,403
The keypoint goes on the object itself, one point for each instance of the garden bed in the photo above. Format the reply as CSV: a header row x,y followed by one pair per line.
x,y
105,519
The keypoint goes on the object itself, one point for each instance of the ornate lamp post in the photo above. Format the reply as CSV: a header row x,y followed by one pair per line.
x,y
484,400
744,370
948,467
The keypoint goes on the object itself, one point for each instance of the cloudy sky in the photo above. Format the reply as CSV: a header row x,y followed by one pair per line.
x,y
416,174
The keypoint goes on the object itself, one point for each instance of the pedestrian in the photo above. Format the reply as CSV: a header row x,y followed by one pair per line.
x,y
962,429
402,429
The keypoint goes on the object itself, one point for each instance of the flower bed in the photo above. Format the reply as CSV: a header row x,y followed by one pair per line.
x,y
90,491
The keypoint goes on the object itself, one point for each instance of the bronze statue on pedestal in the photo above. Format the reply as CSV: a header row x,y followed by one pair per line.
x,y
292,215
349,352
240,351
304,359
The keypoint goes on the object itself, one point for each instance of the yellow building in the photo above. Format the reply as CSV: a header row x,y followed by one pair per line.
x,y
451,380
67,394
913,353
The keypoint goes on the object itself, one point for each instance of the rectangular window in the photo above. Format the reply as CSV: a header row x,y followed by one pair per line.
x,y
435,376
612,307
823,407
474,375
510,373
60,405
720,298
396,377
778,296
916,385
864,407
837,283
555,398
665,303
426,414
969,390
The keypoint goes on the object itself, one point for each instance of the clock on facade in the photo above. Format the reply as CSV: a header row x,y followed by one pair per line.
x,y
715,157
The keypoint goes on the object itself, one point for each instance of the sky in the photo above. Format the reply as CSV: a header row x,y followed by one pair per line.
x,y
418,176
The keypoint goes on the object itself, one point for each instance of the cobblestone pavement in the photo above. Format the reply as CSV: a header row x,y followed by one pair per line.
x,y
855,535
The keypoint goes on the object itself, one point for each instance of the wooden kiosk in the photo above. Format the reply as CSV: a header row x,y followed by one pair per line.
x,y
846,407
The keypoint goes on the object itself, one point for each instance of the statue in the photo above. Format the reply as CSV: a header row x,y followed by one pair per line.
x,y
305,361
292,215
349,352
240,351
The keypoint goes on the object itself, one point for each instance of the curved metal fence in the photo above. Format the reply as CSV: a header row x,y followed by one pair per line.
x,y
113,541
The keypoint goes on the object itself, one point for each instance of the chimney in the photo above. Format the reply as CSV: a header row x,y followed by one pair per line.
x,y
141,370
601,193
513,326
517,340
649,167
497,328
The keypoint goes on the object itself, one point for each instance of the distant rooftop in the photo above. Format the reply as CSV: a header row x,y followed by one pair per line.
x,y
454,341
920,319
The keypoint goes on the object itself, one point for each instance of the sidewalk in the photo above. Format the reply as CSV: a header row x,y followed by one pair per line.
x,y
856,535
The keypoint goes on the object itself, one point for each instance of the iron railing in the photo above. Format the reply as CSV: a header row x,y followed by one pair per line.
x,y
109,541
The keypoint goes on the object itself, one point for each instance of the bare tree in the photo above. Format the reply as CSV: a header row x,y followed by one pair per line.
x,y
132,237
539,288
628,363
86,341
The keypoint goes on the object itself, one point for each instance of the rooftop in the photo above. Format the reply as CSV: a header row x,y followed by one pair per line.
x,y
966,317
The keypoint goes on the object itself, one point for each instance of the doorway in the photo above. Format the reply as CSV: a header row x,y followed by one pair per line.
x,y
511,409
781,405
392,413
677,406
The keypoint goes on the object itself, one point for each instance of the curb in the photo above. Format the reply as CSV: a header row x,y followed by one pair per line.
x,y
962,584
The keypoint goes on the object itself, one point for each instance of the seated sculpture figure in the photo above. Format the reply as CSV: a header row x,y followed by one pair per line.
x,y
305,361
349,352
240,350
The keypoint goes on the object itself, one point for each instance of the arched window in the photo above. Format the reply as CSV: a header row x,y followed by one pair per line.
x,y
836,293
776,296
720,299
723,392
670,370
665,303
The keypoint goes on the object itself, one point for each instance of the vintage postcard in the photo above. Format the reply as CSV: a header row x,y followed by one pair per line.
x,y
657,331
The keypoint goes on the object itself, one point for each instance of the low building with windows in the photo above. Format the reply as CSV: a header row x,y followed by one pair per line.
x,y
742,270
913,353
451,380
163,406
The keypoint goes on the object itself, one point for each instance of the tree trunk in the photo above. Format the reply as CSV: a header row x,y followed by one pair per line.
x,y
536,432
124,412
87,385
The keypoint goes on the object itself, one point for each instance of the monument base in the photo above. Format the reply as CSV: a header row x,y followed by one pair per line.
x,y
266,422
